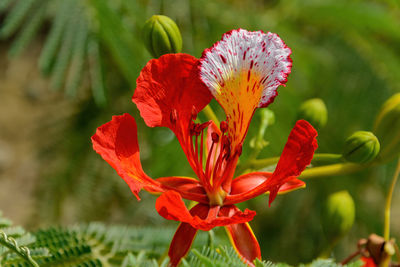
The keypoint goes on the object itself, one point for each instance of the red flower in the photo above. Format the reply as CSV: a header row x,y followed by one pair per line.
x,y
242,72
368,262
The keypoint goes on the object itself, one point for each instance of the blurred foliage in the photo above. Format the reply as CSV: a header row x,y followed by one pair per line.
x,y
344,52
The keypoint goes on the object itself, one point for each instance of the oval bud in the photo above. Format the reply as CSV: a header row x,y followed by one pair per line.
x,y
361,147
161,36
387,128
314,111
338,215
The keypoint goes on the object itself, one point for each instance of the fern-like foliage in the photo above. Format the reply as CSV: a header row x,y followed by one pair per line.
x,y
227,256
331,263
69,49
82,245
96,244
72,45
15,246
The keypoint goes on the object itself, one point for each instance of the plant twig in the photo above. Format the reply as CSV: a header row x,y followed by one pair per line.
x,y
386,230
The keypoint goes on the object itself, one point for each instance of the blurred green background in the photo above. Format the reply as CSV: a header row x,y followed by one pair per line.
x,y
67,66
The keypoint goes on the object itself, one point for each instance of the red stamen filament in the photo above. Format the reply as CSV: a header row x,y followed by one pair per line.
x,y
195,157
208,159
213,167
201,152
218,165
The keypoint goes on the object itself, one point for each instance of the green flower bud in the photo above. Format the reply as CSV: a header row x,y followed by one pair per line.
x,y
314,111
161,36
387,128
361,147
338,215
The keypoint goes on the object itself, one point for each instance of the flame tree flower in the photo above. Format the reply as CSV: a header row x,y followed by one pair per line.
x,y
242,72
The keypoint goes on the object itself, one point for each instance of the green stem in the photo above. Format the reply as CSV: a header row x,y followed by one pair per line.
x,y
324,158
331,170
260,163
210,114
318,158
386,230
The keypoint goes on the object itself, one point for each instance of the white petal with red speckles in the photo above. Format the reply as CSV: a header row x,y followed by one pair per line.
x,y
264,54
243,71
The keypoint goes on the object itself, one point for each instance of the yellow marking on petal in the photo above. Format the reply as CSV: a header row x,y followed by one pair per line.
x,y
239,96
288,191
291,190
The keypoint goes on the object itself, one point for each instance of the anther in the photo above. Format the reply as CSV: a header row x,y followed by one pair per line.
x,y
226,147
192,127
223,126
173,116
215,137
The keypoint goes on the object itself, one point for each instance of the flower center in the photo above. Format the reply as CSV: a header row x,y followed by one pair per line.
x,y
217,197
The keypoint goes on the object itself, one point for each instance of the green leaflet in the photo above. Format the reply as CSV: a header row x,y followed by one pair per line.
x,y
15,17
4,4
29,29
67,49
54,37
96,72
79,49
64,55
126,50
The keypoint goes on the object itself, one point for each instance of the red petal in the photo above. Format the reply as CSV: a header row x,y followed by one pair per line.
x,y
188,188
296,156
116,141
249,181
291,185
170,93
169,83
244,242
184,236
170,206
242,238
368,262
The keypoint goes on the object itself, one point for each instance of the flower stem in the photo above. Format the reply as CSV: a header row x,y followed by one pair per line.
x,y
386,230
210,114
324,158
318,158
330,170
260,163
